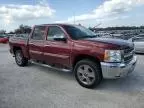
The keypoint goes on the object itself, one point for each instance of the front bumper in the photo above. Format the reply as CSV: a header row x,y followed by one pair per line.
x,y
117,70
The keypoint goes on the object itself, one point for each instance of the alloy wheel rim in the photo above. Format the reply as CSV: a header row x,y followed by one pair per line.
x,y
19,58
86,74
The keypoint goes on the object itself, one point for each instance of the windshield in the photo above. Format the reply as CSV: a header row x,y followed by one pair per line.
x,y
78,32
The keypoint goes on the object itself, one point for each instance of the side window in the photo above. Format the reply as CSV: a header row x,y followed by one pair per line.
x,y
54,31
38,33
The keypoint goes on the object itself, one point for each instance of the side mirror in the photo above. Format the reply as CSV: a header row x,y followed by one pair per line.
x,y
60,38
133,39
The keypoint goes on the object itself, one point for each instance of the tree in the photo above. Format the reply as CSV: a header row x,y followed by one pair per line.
x,y
11,32
23,29
2,31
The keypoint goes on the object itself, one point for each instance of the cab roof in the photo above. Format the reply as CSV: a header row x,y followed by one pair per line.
x,y
59,24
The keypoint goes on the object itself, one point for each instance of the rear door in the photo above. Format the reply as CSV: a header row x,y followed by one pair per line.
x,y
57,51
36,43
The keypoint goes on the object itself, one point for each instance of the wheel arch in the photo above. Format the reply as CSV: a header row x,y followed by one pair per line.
x,y
15,48
94,62
84,56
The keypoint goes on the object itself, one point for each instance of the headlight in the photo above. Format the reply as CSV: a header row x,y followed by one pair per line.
x,y
112,56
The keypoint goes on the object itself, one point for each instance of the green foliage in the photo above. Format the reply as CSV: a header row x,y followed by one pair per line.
x,y
23,29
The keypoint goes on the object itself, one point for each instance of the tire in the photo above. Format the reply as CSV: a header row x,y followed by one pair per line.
x,y
20,59
88,73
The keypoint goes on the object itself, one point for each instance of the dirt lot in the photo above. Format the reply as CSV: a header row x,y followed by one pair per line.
x,y
40,87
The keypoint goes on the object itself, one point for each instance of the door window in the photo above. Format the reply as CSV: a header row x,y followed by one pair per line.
x,y
54,32
38,33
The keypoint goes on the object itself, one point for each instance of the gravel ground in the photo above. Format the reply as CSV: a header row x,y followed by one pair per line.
x,y
35,86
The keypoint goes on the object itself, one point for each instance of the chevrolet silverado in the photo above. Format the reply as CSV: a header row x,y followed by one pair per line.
x,y
75,48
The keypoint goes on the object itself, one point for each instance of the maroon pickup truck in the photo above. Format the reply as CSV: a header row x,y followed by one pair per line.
x,y
75,48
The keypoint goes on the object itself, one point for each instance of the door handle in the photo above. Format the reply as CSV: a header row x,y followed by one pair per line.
x,y
47,45
31,44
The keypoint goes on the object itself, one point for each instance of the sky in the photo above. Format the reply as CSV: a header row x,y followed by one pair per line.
x,y
90,13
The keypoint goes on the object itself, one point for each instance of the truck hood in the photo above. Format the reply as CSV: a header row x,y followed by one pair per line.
x,y
119,43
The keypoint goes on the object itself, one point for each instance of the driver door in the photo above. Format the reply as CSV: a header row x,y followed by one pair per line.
x,y
57,51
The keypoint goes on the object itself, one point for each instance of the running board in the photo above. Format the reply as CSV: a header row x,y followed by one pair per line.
x,y
45,65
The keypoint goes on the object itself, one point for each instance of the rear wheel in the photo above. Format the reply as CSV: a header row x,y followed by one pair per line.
x,y
88,73
20,59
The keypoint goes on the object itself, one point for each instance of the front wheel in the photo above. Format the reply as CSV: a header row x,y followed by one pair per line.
x,y
20,59
88,73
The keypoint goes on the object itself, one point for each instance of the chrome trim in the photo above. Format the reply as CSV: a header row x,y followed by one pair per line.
x,y
129,54
117,70
48,66
56,55
35,52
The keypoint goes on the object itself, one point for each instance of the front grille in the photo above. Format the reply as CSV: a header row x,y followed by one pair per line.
x,y
128,50
128,54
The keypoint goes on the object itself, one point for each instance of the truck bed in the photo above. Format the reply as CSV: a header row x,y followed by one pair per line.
x,y
21,42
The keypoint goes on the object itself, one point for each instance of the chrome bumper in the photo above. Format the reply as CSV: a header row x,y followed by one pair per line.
x,y
117,70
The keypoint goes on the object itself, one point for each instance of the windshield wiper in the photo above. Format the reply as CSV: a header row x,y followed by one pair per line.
x,y
88,36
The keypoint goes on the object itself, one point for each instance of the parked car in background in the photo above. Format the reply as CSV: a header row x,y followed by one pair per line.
x,y
78,49
3,38
141,35
139,44
9,35
21,35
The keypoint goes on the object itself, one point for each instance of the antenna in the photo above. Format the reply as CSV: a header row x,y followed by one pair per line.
x,y
97,25
74,17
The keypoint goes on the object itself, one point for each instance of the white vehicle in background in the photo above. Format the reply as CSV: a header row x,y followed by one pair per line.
x,y
139,44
